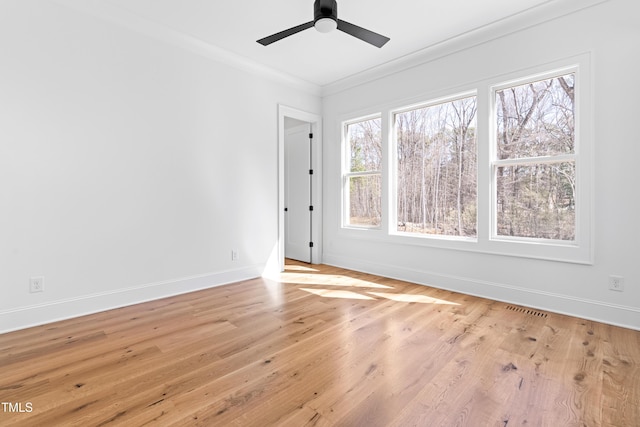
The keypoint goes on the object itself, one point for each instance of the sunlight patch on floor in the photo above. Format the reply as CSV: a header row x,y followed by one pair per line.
x,y
330,280
275,290
303,275
409,298
422,299
335,293
304,268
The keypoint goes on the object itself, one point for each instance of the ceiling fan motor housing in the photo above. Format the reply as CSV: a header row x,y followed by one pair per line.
x,y
325,9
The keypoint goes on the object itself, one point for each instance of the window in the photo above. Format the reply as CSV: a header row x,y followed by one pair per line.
x,y
535,162
362,181
501,166
437,168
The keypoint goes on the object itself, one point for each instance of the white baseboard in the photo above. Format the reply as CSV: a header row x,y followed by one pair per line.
x,y
613,314
34,315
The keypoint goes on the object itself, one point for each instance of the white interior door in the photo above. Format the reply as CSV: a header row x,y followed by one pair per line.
x,y
289,118
297,190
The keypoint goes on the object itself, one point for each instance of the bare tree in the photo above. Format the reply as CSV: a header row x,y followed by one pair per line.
x,y
537,121
437,168
365,190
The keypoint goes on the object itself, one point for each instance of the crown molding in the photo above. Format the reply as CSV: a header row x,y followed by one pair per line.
x,y
124,18
548,11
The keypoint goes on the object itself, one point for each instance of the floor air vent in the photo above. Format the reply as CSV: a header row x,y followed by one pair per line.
x,y
526,311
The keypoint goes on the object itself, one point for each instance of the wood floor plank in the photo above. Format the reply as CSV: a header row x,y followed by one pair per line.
x,y
621,376
322,346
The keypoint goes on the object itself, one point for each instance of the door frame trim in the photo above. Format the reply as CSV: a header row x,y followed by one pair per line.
x,y
316,126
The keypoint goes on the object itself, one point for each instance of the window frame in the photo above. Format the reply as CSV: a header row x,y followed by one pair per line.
x,y
579,251
347,174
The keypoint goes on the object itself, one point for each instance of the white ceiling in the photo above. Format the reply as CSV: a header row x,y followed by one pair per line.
x,y
322,59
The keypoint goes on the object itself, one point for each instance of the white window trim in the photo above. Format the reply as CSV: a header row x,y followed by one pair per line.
x,y
579,251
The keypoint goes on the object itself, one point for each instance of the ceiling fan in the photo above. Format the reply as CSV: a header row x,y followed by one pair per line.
x,y
325,19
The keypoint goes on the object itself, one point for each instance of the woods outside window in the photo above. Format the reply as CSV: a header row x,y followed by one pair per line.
x,y
535,162
437,168
362,180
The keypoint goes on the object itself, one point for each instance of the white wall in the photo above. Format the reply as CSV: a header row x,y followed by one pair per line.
x,y
609,33
129,168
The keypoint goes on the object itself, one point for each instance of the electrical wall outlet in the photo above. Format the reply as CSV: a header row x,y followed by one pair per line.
x,y
36,284
234,255
616,283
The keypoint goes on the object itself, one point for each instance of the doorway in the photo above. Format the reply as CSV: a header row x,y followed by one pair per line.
x,y
298,191
299,195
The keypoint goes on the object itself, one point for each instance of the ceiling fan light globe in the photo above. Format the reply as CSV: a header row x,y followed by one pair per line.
x,y
325,25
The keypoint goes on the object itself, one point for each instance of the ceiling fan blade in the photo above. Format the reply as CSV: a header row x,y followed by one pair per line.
x,y
286,33
363,34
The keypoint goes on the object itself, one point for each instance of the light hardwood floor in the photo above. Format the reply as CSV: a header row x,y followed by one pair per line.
x,y
322,346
